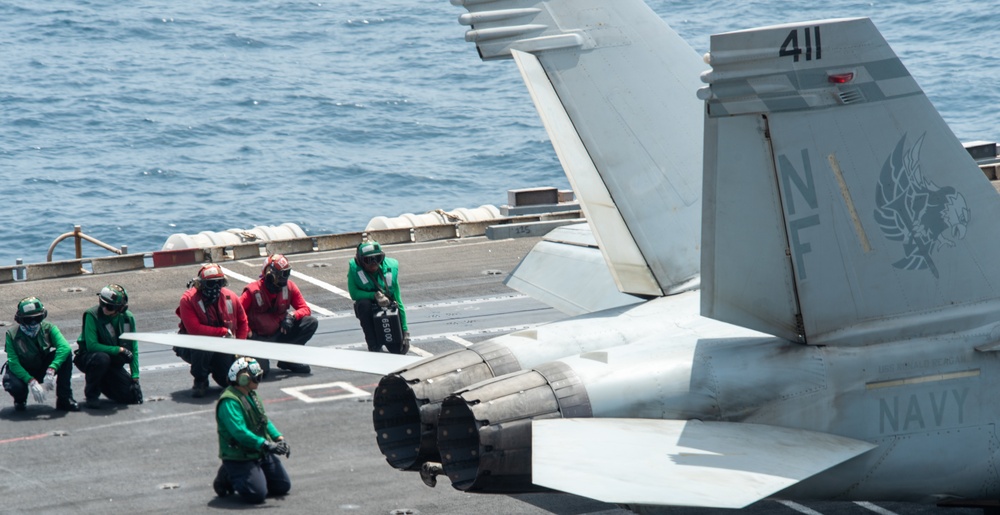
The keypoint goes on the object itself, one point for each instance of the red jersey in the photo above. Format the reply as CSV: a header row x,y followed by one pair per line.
x,y
265,310
212,320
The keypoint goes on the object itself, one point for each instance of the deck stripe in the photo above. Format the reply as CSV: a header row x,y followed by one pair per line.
x,y
799,508
873,507
240,277
459,340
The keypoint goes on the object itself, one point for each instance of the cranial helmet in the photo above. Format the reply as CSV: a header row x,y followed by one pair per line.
x,y
30,311
211,280
369,252
211,272
276,270
114,297
244,370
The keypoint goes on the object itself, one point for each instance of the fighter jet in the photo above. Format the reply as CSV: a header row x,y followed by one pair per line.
x,y
661,73
843,342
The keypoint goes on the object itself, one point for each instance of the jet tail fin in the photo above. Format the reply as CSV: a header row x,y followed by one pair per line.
x,y
614,86
839,206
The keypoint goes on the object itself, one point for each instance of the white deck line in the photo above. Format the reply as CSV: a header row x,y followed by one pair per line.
x,y
799,508
321,310
873,507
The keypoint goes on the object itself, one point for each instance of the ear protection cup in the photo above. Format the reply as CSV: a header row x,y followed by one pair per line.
x,y
243,371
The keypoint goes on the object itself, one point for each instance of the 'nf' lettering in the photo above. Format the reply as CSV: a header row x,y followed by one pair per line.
x,y
804,184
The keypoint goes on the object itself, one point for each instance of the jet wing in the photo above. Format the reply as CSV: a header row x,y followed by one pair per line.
x,y
677,462
356,361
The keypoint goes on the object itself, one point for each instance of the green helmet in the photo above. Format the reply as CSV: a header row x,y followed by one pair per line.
x,y
369,252
30,311
114,297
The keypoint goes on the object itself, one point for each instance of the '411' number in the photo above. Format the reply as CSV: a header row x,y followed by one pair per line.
x,y
791,45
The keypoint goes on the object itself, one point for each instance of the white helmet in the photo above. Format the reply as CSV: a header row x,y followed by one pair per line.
x,y
244,370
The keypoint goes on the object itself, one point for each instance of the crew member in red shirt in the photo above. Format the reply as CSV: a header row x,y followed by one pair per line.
x,y
208,308
277,312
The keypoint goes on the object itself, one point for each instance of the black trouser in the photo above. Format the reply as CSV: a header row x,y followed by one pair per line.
x,y
106,374
205,362
255,480
18,389
299,334
365,310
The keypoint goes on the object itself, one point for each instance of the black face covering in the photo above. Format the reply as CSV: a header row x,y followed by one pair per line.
x,y
276,280
210,290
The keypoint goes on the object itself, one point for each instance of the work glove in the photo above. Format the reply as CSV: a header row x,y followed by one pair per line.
x,y
405,346
136,391
50,379
277,448
383,301
125,353
288,323
37,391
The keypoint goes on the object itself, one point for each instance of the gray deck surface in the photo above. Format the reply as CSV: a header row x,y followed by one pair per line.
x,y
161,456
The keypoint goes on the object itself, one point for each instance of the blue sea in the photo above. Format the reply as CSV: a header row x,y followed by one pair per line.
x,y
141,119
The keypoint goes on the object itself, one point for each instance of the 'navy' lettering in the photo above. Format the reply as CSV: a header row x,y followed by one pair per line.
x,y
943,411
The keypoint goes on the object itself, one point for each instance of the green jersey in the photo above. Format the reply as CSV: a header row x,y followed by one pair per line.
x,y
363,285
243,427
29,355
100,334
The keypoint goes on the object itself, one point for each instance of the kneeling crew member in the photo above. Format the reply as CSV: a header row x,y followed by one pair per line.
x,y
210,309
277,312
102,356
249,444
37,359
373,283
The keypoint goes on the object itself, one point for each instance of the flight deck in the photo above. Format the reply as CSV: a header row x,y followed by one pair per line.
x,y
161,456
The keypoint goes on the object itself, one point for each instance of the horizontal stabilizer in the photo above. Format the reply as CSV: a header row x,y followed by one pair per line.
x,y
551,273
356,361
679,463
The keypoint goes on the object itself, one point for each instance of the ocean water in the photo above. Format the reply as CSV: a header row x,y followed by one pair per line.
x,y
141,119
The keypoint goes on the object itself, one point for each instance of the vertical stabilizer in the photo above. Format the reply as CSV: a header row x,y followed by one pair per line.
x,y
614,86
839,206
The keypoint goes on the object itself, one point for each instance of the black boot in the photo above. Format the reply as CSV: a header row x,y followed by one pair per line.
x,y
67,404
199,388
295,367
221,485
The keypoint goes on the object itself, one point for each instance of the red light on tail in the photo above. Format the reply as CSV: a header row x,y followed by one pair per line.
x,y
841,78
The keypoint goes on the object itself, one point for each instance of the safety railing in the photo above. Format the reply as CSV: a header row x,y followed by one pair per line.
x,y
508,227
79,237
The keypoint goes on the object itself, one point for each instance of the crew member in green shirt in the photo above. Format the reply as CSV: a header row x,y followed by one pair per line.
x,y
102,356
249,444
373,283
37,359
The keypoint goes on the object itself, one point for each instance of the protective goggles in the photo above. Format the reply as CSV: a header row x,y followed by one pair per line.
x,y
214,284
373,260
113,308
282,274
30,320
